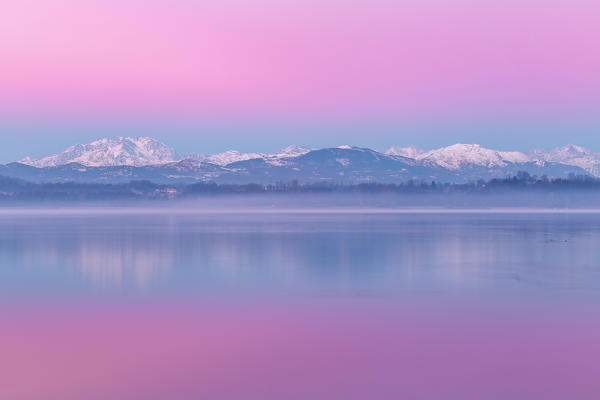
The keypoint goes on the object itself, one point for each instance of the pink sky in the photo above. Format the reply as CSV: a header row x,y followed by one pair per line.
x,y
235,57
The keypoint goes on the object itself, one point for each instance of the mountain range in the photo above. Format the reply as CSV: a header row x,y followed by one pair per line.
x,y
125,159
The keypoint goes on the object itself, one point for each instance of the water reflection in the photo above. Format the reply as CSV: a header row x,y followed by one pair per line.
x,y
301,254
97,251
355,307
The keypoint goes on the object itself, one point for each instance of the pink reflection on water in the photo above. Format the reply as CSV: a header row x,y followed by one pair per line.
x,y
353,349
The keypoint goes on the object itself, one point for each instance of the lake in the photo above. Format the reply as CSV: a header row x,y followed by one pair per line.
x,y
272,303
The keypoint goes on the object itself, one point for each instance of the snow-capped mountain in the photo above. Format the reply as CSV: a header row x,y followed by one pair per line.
x,y
127,159
409,152
142,151
346,164
570,155
232,156
224,158
128,151
461,155
293,151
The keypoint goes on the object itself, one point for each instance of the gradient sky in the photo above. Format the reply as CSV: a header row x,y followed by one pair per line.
x,y
257,75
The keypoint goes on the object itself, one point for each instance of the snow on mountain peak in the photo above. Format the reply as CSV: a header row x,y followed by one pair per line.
x,y
231,156
129,151
458,155
293,150
572,148
571,155
409,152
142,151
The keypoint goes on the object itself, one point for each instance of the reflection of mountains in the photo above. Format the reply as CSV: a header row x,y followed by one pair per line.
x,y
116,259
119,263
279,253
204,253
201,253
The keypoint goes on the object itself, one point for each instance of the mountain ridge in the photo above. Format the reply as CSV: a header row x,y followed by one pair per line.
x,y
122,159
143,151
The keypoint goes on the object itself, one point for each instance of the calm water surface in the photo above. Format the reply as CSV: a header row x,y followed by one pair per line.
x,y
173,305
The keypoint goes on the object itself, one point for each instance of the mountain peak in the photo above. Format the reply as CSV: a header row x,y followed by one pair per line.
x,y
293,150
572,149
143,151
460,154
130,151
409,152
571,155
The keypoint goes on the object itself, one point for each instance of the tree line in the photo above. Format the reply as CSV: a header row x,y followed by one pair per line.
x,y
16,189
